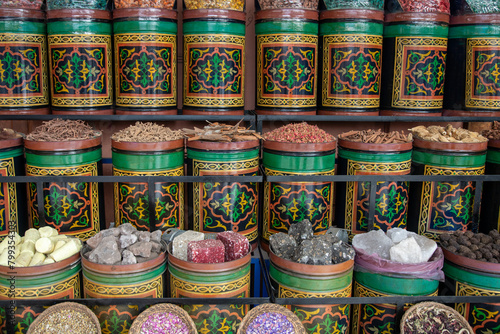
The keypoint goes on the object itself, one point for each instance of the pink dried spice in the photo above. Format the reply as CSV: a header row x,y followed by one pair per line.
x,y
299,133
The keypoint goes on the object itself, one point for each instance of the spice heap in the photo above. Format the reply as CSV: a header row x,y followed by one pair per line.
x,y
376,137
63,130
447,134
218,132
494,133
480,246
433,318
299,133
124,245
199,247
159,323
65,321
217,4
277,4
300,245
270,322
425,6
23,4
397,245
165,4
38,247
147,133
6,133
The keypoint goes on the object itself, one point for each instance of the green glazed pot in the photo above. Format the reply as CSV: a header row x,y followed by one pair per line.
x,y
24,83
439,207
71,208
297,280
145,60
350,43
303,200
287,51
218,207
391,202
81,79
214,61
132,199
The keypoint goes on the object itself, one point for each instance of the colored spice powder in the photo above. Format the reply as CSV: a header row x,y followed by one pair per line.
x,y
270,322
299,133
163,323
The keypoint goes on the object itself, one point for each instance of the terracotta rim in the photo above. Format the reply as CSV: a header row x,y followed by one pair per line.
x,y
300,147
349,113
83,112
35,111
375,147
142,112
223,146
463,261
495,143
452,147
404,113
475,19
122,268
419,17
360,14
13,142
41,270
310,269
62,145
212,113
30,14
209,267
155,146
95,14
145,13
285,113
287,14
471,113
220,14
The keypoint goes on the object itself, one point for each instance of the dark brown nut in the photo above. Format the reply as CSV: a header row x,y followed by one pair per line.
x,y
470,255
464,249
486,239
487,255
458,233
475,241
487,246
463,240
451,249
454,244
474,248
496,246
493,260
444,244
483,260
495,252
469,234
494,234
445,237
497,241
479,255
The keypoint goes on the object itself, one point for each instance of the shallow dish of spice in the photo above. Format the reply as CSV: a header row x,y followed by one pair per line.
x,y
300,133
163,318
271,318
66,317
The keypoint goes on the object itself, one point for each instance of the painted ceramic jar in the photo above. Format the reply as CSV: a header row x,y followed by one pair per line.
x,y
490,210
414,63
132,202
81,80
438,207
60,280
72,208
217,280
287,52
24,83
286,203
350,44
224,206
467,277
140,280
298,280
391,202
214,62
145,60
474,58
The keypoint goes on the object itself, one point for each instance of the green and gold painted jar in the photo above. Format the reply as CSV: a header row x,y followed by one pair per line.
x,y
350,45
60,280
140,280
214,62
391,202
287,51
224,206
13,215
467,277
79,43
490,211
24,83
414,63
298,280
145,60
216,280
132,202
73,208
438,207
286,203
381,318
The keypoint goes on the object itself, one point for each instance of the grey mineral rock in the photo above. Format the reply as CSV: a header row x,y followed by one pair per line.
x,y
301,231
156,236
283,245
127,228
141,248
107,252
128,257
127,240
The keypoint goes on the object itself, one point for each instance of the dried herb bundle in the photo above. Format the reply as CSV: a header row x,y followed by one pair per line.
x,y
219,132
63,130
494,133
6,133
377,137
447,134
147,133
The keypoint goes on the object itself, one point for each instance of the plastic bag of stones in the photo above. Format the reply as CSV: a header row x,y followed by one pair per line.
x,y
279,4
238,5
302,246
